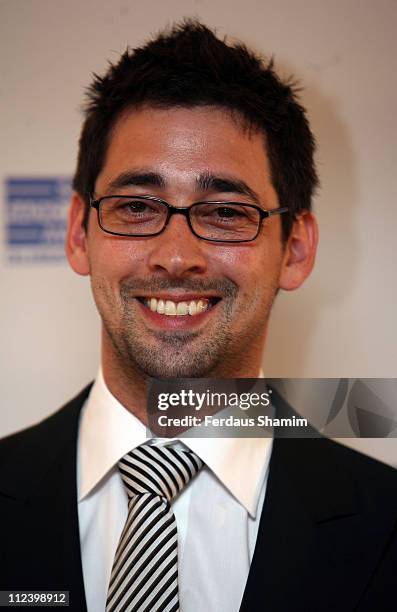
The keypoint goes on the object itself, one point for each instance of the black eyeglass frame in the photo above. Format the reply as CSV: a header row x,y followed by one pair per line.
x,y
185,211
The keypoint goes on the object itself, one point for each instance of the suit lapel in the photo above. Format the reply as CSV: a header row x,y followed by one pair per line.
x,y
313,533
39,494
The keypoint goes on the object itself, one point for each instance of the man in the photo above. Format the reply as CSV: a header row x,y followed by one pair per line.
x,y
191,209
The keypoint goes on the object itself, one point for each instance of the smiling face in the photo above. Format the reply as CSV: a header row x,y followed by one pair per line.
x,y
173,304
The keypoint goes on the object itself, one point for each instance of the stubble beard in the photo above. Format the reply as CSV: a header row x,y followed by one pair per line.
x,y
176,353
172,354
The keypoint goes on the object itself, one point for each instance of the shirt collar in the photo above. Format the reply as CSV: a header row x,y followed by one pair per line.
x,y
108,431
241,465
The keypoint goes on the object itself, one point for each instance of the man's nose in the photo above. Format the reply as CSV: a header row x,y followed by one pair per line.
x,y
177,250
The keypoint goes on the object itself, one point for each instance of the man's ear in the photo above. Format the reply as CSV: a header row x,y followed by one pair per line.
x,y
76,237
300,252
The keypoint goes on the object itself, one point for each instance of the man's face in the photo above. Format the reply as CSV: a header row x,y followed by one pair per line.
x,y
184,156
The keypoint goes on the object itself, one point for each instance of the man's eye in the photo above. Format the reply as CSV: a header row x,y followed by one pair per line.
x,y
134,206
227,212
133,211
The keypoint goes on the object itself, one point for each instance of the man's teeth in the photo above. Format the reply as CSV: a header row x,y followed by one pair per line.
x,y
178,309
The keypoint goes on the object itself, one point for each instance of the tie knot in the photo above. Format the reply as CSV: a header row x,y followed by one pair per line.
x,y
159,470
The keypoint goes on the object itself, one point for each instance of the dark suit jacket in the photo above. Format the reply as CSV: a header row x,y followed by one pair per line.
x,y
327,538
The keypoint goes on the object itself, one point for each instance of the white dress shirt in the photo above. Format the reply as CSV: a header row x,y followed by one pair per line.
x,y
217,514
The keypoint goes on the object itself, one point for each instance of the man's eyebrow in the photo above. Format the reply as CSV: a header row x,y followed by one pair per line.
x,y
205,182
136,178
224,184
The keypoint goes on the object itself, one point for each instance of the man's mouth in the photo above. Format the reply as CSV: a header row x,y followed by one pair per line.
x,y
180,307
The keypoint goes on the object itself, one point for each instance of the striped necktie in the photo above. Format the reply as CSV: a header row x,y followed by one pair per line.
x,y
144,576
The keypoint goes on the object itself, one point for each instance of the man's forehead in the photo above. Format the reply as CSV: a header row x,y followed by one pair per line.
x,y
203,147
185,127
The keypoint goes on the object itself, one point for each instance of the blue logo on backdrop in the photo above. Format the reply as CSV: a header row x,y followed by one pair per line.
x,y
35,218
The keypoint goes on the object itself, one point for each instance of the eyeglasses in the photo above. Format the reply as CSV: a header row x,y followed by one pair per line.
x,y
130,215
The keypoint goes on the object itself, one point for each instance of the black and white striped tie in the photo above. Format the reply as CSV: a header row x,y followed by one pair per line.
x,y
145,569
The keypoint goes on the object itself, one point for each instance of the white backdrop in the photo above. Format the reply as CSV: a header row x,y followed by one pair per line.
x,y
342,323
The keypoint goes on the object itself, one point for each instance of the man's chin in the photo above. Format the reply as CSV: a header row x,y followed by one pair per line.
x,y
176,359
175,370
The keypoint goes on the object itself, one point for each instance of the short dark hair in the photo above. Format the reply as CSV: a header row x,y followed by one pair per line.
x,y
189,66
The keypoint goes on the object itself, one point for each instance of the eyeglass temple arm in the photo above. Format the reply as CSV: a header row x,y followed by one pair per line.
x,y
275,211
93,203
